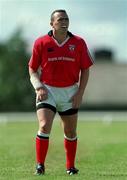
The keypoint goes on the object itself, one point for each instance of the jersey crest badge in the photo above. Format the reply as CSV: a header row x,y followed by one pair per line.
x,y
71,47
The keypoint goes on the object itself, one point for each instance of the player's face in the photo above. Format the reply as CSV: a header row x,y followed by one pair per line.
x,y
60,22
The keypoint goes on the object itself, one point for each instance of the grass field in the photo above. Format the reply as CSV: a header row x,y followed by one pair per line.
x,y
101,155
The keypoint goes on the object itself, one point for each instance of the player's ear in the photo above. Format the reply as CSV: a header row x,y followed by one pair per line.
x,y
51,23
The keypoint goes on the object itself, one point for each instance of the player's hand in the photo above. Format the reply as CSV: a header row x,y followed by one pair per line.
x,y
42,94
76,100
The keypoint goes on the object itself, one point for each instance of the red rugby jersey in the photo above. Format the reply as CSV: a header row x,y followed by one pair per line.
x,y
60,63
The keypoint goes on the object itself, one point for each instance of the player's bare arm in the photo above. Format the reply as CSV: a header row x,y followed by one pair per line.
x,y
40,90
77,98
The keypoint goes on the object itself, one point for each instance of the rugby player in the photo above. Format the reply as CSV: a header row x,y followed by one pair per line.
x,y
57,60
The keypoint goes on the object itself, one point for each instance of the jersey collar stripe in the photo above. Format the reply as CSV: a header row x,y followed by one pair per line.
x,y
62,44
50,33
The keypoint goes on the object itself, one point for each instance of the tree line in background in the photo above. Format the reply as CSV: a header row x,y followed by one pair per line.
x,y
16,92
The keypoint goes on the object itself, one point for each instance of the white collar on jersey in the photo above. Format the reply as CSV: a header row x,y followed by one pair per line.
x,y
50,33
61,44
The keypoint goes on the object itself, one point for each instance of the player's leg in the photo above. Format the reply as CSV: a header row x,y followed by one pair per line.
x,y
45,118
69,123
46,110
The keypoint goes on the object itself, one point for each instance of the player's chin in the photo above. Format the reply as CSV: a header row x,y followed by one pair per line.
x,y
63,29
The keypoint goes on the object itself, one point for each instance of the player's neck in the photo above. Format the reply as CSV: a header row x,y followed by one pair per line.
x,y
60,37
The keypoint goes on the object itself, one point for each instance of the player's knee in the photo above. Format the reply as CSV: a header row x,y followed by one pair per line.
x,y
70,133
44,128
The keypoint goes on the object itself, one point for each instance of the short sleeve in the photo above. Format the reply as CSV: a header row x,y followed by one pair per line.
x,y
86,59
35,59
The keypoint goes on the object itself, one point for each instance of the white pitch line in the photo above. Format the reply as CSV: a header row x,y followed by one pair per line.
x,y
83,116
